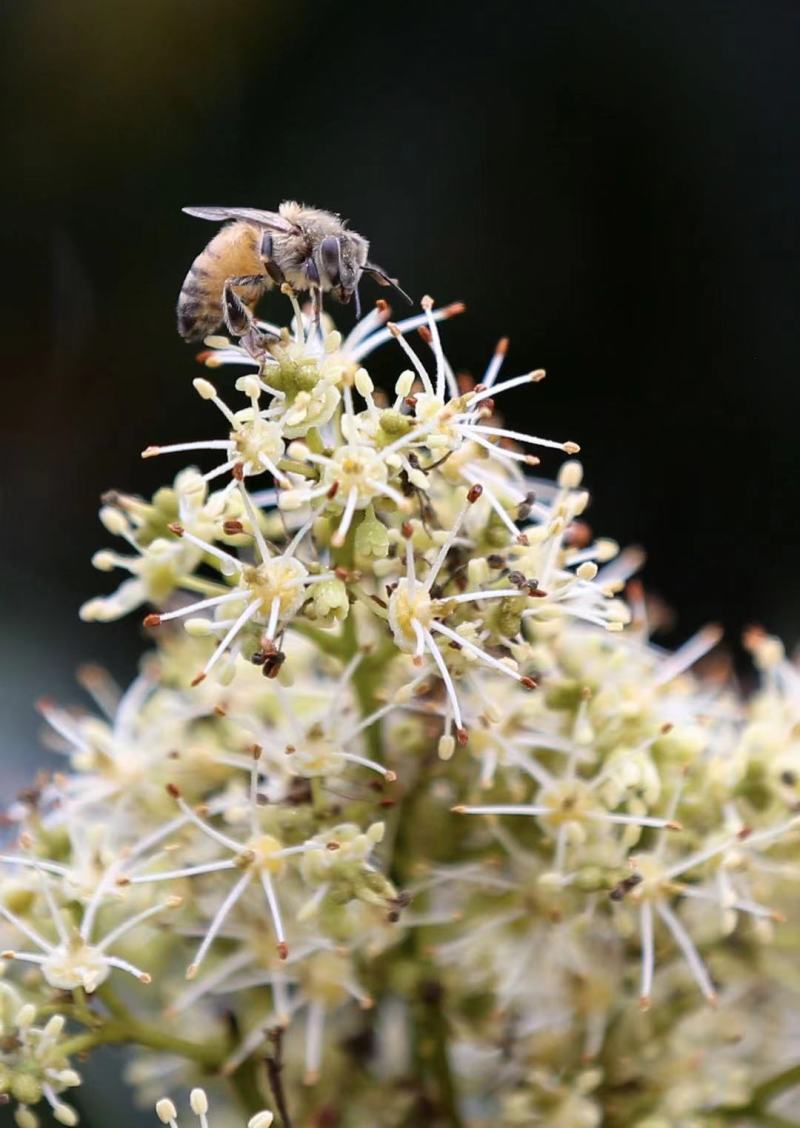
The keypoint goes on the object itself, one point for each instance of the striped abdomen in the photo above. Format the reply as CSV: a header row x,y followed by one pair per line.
x,y
232,252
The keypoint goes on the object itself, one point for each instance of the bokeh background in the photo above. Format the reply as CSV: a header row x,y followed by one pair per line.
x,y
612,183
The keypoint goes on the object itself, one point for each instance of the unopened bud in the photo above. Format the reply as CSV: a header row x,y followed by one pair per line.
x,y
165,1110
204,388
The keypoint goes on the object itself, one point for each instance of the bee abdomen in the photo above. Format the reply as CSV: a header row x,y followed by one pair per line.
x,y
231,253
198,312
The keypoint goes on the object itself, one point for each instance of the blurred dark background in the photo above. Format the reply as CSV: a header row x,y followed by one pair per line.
x,y
614,184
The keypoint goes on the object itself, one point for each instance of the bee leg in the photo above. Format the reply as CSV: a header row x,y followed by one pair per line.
x,y
237,315
316,299
275,272
272,269
246,280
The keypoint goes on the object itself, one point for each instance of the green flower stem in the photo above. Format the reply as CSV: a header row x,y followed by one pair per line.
x,y
431,1034
774,1086
117,1031
367,680
762,1096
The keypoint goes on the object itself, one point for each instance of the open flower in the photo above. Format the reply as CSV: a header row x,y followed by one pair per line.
x,y
266,595
75,956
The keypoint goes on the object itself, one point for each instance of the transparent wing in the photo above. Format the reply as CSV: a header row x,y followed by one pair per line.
x,y
268,219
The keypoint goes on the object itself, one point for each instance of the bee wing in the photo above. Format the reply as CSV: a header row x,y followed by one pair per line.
x,y
268,219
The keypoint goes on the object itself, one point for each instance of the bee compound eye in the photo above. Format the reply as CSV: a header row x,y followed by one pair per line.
x,y
330,254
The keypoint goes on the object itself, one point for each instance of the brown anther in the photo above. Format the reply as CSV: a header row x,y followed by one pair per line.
x,y
382,306
173,790
255,751
203,356
341,573
122,880
387,803
474,493
283,950
238,471
333,846
220,711
290,749
425,333
528,682
454,309
407,529
487,407
501,348
332,492
624,887
668,727
231,528
176,528
462,736
410,401
578,535
259,657
151,620
744,833
378,601
495,560
196,681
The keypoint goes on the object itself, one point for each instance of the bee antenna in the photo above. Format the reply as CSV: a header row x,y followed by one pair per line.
x,y
383,278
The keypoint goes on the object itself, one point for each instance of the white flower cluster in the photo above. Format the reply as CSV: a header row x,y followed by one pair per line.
x,y
405,786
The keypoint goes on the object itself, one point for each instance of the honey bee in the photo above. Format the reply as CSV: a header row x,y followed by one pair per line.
x,y
311,249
